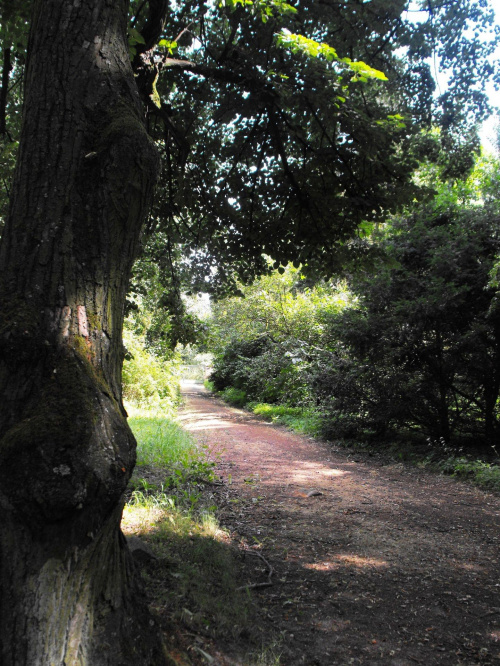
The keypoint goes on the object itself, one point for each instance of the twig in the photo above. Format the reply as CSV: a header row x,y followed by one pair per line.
x,y
270,569
183,31
254,586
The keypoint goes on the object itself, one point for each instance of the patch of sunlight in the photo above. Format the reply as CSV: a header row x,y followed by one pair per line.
x,y
303,471
334,472
207,425
469,566
205,422
210,527
350,560
141,520
188,413
361,562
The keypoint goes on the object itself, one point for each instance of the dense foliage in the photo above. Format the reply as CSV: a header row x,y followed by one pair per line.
x,y
419,346
285,129
291,147
423,349
264,344
149,381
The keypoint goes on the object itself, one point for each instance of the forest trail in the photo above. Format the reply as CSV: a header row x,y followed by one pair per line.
x,y
373,563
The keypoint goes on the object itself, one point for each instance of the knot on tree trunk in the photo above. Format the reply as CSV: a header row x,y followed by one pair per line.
x,y
71,454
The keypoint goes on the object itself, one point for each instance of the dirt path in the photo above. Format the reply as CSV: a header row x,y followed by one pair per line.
x,y
388,565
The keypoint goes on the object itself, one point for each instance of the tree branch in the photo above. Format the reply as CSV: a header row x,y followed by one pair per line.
x,y
153,29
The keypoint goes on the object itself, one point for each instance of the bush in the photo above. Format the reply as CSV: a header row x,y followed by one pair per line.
x,y
266,371
422,350
149,381
234,396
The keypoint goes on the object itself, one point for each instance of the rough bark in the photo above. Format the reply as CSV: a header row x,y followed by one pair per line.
x,y
6,70
83,184
492,388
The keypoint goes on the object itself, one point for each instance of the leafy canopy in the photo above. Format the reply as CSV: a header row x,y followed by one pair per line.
x,y
286,128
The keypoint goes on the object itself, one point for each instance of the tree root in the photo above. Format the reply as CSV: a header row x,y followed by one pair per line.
x,y
270,571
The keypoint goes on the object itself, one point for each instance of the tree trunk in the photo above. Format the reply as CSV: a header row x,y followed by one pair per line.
x,y
491,386
83,184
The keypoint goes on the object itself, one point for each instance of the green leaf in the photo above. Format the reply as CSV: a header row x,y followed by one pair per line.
x,y
309,47
135,37
170,46
313,49
362,71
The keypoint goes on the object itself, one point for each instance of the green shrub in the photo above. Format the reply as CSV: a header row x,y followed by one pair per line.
x,y
149,381
483,474
266,370
209,385
274,412
299,419
421,350
234,396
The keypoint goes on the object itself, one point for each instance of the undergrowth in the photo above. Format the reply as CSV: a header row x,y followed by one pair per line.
x,y
436,456
483,473
299,419
234,396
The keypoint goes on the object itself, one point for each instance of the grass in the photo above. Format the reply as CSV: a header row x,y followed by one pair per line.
x,y
160,441
299,419
269,655
234,396
486,475
193,582
209,385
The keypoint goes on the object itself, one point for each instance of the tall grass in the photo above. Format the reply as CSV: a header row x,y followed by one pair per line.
x,y
161,442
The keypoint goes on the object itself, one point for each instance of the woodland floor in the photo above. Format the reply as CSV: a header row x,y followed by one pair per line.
x,y
373,562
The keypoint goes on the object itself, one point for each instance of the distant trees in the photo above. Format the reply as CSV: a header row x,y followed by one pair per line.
x,y
265,343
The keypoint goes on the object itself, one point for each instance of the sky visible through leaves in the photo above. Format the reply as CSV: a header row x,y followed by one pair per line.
x,y
490,126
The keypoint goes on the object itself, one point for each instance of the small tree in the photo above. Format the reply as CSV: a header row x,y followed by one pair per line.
x,y
265,342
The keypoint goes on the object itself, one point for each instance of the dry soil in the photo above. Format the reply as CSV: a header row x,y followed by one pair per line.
x,y
371,562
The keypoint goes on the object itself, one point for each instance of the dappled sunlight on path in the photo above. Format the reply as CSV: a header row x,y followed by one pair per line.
x,y
374,563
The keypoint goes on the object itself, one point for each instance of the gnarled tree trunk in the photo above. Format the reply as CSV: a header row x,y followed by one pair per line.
x,y
83,185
